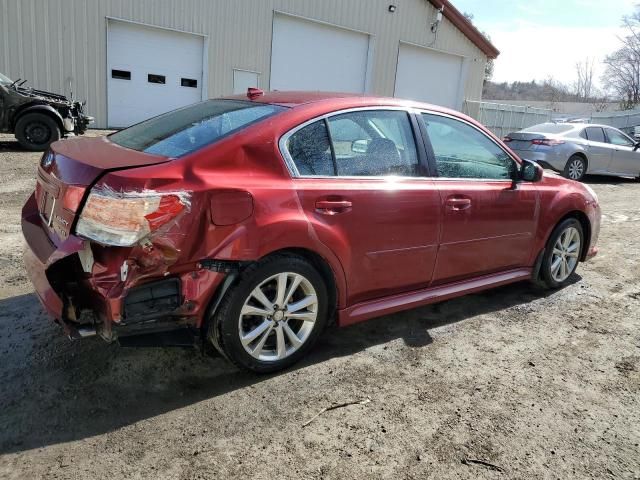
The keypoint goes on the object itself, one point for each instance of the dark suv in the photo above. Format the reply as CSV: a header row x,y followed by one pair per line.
x,y
38,118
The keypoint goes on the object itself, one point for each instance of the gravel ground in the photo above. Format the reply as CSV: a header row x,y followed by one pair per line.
x,y
511,383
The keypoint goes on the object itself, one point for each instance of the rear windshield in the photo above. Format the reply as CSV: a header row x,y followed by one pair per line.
x,y
188,129
549,128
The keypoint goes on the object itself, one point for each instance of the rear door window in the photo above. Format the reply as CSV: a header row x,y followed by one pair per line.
x,y
374,143
191,128
595,134
367,143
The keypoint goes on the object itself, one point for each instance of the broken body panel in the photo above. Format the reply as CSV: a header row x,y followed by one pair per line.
x,y
77,278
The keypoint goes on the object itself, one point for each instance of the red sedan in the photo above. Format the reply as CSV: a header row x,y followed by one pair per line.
x,y
257,221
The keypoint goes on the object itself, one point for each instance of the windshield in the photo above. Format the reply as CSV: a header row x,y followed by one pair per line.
x,y
5,80
188,129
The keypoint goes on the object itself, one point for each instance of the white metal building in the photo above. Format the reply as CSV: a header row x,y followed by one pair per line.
x,y
132,59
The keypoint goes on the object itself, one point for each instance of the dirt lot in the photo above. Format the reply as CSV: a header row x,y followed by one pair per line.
x,y
535,384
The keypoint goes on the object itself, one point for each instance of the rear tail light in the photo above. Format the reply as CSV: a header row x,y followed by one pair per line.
x,y
548,142
124,218
507,139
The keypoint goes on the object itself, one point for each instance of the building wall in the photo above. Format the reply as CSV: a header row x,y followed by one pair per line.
x,y
53,42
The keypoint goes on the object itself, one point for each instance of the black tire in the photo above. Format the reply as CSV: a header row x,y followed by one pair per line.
x,y
576,168
36,131
224,328
546,274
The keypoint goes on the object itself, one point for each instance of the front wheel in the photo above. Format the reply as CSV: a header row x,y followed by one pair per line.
x,y
575,168
562,253
36,131
272,316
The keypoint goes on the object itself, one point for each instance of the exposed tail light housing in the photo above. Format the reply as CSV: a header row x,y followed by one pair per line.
x,y
547,142
72,197
124,218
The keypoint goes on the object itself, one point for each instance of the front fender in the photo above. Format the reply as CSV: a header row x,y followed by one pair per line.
x,y
40,108
560,197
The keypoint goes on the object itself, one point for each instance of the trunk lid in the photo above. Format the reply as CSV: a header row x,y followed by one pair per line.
x,y
69,169
521,141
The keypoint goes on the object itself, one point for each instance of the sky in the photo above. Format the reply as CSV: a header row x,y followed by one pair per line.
x,y
539,39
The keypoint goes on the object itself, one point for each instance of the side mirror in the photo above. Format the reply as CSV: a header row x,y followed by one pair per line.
x,y
636,146
359,146
530,171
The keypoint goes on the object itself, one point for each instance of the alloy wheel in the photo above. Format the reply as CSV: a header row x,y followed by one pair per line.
x,y
565,255
576,169
278,316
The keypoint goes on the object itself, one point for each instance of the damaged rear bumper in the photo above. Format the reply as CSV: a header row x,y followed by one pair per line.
x,y
92,296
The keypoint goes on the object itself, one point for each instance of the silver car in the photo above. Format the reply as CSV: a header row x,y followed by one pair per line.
x,y
577,149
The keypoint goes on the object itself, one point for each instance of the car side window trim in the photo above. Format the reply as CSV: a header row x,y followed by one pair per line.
x,y
332,148
293,169
432,156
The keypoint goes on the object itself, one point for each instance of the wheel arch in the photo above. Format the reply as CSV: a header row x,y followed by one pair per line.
x,y
583,155
47,110
586,229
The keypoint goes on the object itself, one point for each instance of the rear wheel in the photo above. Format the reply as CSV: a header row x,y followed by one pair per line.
x,y
575,168
562,253
272,316
36,131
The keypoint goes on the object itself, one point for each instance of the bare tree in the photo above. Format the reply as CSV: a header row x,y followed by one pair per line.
x,y
622,73
554,92
584,83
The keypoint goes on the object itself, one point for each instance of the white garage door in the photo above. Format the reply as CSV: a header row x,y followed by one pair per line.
x,y
150,71
312,56
429,76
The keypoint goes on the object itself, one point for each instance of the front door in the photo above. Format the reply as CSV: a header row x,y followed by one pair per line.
x,y
626,159
487,225
361,184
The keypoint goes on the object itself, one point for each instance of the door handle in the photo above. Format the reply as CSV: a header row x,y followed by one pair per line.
x,y
458,203
333,207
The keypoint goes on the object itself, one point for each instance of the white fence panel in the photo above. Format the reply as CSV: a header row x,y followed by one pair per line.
x,y
502,118
624,120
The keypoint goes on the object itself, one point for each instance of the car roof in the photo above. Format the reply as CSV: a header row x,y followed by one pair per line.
x,y
583,125
293,99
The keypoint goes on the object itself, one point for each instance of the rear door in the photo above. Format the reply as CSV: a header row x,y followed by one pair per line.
x,y
361,181
599,151
626,159
487,225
